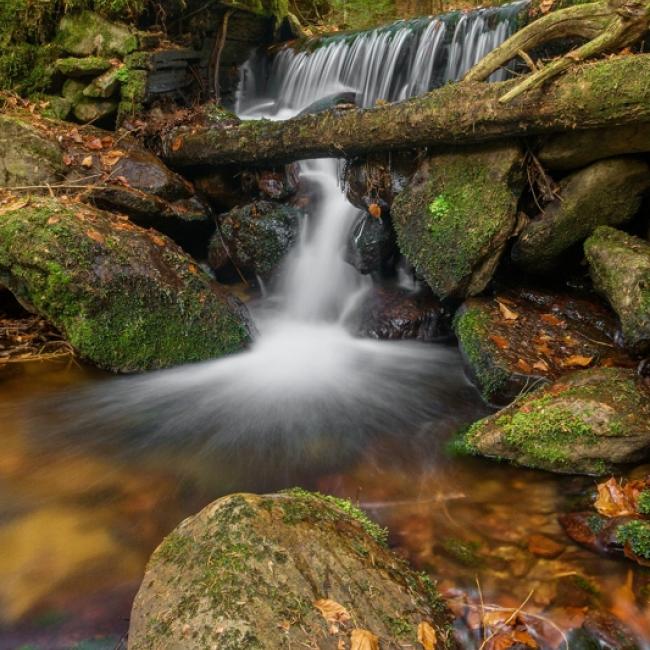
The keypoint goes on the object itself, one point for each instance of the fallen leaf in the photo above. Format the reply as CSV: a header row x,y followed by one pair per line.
x,y
507,313
94,144
111,158
546,5
577,361
177,143
541,365
332,611
374,210
523,365
522,636
612,500
496,617
500,341
87,162
363,640
552,319
53,220
95,236
427,636
107,141
67,159
159,241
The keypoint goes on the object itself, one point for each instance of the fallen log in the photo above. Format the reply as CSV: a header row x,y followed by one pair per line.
x,y
611,92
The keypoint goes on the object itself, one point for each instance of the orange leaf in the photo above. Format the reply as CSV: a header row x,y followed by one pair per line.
x,y
541,365
522,636
577,361
95,236
507,313
552,319
111,158
524,365
427,636
87,162
332,611
177,143
363,640
94,144
500,341
374,210
612,500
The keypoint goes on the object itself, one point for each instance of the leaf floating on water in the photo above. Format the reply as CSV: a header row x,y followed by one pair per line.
x,y
427,636
577,361
507,313
332,611
363,640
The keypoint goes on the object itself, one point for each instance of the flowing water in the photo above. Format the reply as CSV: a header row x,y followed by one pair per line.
x,y
96,469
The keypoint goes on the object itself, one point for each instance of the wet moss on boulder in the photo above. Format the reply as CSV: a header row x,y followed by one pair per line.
x,y
455,217
620,269
585,423
127,299
247,571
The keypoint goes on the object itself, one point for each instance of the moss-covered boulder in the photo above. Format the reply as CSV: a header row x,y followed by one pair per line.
x,y
582,424
620,269
520,339
455,217
285,570
87,33
608,192
127,299
88,66
258,235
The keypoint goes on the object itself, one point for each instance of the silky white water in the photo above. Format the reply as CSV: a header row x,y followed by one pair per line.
x,y
306,375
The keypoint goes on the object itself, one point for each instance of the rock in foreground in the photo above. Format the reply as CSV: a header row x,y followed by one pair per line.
x,y
284,570
127,299
581,424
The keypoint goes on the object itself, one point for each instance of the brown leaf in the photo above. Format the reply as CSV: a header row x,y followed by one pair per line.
x,y
427,636
95,236
577,361
612,500
332,611
374,210
159,241
111,158
523,365
363,640
496,617
507,313
546,5
67,159
522,636
552,319
541,365
107,141
177,143
87,162
500,341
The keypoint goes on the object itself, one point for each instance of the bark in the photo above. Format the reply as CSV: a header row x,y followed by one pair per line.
x,y
612,92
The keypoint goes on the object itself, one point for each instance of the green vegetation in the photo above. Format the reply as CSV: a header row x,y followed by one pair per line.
x,y
465,553
643,503
637,535
439,207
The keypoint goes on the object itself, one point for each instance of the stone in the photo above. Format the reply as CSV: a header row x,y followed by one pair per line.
x,y
26,156
608,192
293,569
73,90
92,110
87,33
259,235
396,313
576,149
126,298
105,85
588,422
457,214
543,546
371,244
620,269
521,339
89,66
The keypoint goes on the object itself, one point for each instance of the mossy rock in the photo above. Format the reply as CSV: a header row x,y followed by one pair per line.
x,y
585,423
89,66
608,192
87,33
620,269
455,217
259,235
87,109
127,299
247,570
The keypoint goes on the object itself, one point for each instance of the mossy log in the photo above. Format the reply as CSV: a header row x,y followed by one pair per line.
x,y
611,92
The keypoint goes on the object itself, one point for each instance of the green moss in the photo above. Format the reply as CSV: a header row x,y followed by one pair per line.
x,y
439,207
643,502
461,445
465,553
637,534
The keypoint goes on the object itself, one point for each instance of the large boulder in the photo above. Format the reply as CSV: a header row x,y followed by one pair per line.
x,y
127,299
620,269
258,235
575,149
455,217
285,570
581,424
609,192
521,339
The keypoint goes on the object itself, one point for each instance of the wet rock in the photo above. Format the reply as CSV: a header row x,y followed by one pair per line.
x,y
455,217
27,157
620,269
576,149
331,101
259,235
371,244
127,299
280,570
519,339
89,66
581,424
609,192
543,546
271,184
87,33
396,313
218,255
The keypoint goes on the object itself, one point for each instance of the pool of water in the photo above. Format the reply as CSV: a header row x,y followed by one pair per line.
x,y
80,516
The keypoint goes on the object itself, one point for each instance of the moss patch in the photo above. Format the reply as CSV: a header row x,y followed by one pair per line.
x,y
637,535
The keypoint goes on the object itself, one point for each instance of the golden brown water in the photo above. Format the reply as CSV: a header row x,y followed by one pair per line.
x,y
78,523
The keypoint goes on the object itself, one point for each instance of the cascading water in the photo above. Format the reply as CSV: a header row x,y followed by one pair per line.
x,y
307,377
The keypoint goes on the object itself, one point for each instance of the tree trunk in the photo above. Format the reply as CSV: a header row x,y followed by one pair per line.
x,y
610,92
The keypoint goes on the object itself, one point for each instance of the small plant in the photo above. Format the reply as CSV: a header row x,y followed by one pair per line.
x,y
643,503
636,534
439,207
122,75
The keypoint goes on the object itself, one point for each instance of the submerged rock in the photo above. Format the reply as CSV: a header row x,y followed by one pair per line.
x,y
520,339
281,570
620,269
455,217
258,235
371,243
609,192
396,313
581,424
127,299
